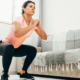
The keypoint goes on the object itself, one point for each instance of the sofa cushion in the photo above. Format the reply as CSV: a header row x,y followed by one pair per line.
x,y
57,57
47,45
77,38
70,40
59,41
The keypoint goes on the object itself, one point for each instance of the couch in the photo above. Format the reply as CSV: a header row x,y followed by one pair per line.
x,y
59,55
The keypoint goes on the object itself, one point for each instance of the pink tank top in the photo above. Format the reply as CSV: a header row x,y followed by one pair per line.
x,y
16,42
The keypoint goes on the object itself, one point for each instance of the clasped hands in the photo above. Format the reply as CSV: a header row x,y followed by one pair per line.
x,y
36,22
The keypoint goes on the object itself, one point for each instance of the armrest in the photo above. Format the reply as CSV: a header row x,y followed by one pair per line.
x,y
38,49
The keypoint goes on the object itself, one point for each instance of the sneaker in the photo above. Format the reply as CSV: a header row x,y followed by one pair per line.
x,y
26,75
4,76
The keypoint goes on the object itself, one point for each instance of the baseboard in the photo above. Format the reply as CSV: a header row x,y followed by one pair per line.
x,y
10,72
56,77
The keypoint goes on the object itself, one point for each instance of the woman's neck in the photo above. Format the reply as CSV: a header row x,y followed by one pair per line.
x,y
27,18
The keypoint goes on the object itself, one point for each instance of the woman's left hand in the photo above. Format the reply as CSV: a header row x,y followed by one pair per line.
x,y
39,24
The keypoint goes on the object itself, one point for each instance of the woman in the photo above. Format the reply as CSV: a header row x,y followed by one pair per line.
x,y
21,28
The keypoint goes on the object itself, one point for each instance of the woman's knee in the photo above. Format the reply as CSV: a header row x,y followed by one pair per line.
x,y
33,51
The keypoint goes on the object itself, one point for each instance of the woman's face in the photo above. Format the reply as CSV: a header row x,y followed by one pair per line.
x,y
30,9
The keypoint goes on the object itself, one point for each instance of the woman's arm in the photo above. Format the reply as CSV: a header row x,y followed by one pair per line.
x,y
40,31
18,32
43,33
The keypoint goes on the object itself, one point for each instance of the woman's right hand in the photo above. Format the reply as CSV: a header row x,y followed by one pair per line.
x,y
35,22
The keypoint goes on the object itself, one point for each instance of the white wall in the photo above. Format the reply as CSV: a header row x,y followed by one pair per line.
x,y
60,15
4,29
46,16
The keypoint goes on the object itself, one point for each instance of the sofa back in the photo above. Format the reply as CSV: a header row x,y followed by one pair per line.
x,y
59,41
62,41
47,45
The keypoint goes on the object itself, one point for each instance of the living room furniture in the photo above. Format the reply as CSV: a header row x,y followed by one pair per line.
x,y
59,55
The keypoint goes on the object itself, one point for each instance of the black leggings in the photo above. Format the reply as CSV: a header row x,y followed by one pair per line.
x,y
8,51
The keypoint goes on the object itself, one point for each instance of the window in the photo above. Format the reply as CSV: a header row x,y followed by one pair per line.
x,y
10,9
18,7
6,10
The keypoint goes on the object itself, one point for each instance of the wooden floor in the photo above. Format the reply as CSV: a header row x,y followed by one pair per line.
x,y
16,77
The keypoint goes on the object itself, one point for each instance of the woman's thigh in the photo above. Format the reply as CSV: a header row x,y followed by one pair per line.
x,y
23,50
3,46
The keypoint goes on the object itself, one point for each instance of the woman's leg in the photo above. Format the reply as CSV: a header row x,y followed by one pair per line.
x,y
28,51
7,51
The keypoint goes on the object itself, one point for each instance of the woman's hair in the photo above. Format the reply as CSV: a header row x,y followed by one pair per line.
x,y
25,4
